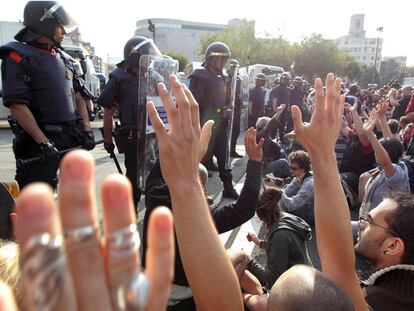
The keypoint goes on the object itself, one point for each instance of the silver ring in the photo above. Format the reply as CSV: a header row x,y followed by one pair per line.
x,y
42,264
80,234
124,242
133,294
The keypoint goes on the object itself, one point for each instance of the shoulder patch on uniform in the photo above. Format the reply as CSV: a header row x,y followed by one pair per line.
x,y
15,57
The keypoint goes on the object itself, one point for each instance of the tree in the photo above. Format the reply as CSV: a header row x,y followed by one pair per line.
x,y
182,59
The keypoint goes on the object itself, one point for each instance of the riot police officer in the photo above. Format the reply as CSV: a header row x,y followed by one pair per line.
x,y
297,94
121,94
281,95
257,100
237,106
44,93
208,87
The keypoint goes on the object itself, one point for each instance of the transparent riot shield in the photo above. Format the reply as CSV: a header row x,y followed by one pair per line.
x,y
153,69
233,86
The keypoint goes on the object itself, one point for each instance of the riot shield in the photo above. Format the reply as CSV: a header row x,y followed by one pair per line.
x,y
233,86
153,69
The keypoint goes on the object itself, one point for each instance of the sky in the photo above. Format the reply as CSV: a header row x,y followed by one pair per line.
x,y
109,24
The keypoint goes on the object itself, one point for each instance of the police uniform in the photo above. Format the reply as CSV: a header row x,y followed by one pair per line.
x,y
45,81
121,91
257,98
209,91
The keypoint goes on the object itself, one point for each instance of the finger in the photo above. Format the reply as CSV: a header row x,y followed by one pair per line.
x,y
195,113
330,95
169,105
160,257
205,137
156,121
79,220
6,298
183,106
297,120
121,237
337,89
261,142
247,140
319,98
42,262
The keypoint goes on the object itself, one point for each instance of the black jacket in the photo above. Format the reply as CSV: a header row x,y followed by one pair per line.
x,y
285,247
225,217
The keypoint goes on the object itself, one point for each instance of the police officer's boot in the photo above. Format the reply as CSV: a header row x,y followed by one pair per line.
x,y
229,192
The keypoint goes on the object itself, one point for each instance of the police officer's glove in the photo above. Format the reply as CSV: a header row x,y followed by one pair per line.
x,y
48,150
88,140
109,147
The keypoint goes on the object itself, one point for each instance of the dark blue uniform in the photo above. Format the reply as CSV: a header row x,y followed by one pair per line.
x,y
209,90
122,92
45,81
257,97
282,95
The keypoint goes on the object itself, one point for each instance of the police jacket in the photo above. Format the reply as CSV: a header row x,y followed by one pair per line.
x,y
209,91
225,217
121,91
45,81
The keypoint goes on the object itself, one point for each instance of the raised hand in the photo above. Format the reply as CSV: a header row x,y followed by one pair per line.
x,y
321,133
184,145
253,150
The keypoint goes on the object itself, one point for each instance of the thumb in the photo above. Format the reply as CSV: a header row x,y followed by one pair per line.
x,y
206,132
297,120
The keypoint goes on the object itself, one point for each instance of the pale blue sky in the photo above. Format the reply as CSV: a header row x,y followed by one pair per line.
x,y
109,24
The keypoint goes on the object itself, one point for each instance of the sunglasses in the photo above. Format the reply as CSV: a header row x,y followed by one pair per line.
x,y
367,218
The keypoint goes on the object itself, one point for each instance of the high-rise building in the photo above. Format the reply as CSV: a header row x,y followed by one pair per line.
x,y
363,49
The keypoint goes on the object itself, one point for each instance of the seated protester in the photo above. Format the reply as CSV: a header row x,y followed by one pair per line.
x,y
274,158
225,217
391,174
394,127
285,242
359,156
405,135
297,197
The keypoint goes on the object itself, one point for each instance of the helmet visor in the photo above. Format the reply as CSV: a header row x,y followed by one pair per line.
x,y
58,12
146,47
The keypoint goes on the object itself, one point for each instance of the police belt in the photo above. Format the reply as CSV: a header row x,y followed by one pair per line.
x,y
59,127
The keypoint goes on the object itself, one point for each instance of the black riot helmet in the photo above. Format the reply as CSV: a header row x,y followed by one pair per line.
x,y
234,63
297,81
217,54
284,78
41,18
136,47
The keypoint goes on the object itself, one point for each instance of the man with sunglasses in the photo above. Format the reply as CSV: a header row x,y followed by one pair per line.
x,y
386,232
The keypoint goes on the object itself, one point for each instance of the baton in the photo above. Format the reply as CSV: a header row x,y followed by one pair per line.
x,y
42,157
113,157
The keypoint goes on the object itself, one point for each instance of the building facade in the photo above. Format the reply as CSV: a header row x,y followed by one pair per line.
x,y
363,49
177,35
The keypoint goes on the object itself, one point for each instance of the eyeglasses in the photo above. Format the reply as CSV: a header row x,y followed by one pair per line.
x,y
294,168
369,220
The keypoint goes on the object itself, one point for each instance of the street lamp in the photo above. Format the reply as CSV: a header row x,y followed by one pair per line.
x,y
379,29
151,28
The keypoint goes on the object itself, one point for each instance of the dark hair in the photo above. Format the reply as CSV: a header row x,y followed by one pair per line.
x,y
301,158
401,221
267,207
394,125
394,148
